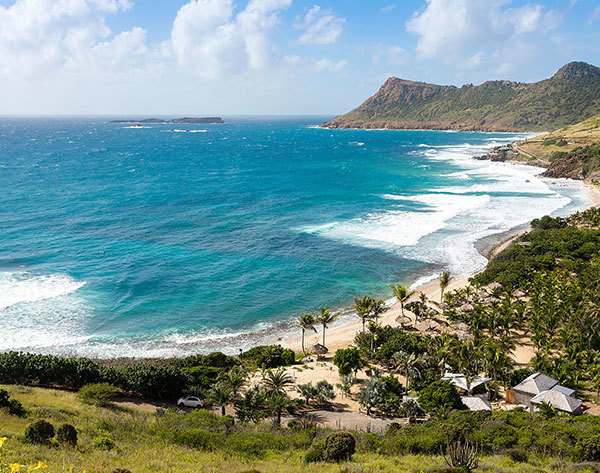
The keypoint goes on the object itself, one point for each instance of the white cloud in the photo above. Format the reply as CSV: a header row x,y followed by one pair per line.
x,y
390,55
209,39
328,65
452,29
39,36
595,15
388,8
321,27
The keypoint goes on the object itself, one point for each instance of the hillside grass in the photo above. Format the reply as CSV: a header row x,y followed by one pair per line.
x,y
546,145
139,449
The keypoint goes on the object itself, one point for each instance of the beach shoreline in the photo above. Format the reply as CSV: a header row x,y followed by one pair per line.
x,y
341,334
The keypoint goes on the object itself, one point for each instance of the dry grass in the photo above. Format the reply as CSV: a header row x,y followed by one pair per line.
x,y
584,133
138,450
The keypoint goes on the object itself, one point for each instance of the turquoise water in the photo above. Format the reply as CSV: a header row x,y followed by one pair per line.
x,y
118,241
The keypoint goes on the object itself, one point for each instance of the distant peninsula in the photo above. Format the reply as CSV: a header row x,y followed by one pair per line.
x,y
147,121
569,96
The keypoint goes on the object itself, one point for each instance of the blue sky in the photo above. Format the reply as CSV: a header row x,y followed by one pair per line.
x,y
272,56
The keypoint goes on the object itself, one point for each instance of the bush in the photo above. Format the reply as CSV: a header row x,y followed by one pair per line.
x,y
269,356
316,453
103,442
14,407
347,360
588,448
99,394
518,455
66,434
39,432
121,470
339,446
440,398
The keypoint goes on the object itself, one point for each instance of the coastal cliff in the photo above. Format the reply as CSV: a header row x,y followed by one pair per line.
x,y
570,95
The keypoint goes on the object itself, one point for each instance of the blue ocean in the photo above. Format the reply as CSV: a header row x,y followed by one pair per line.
x,y
166,240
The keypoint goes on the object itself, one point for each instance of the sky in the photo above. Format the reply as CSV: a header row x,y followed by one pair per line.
x,y
272,57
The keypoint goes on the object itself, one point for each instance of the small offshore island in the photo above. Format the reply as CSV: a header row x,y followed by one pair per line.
x,y
158,121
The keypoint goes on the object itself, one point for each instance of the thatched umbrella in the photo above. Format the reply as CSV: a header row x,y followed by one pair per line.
x,y
518,294
495,286
466,308
319,349
403,320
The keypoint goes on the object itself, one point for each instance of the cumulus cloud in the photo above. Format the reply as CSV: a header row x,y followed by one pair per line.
x,y
453,29
328,65
321,27
210,39
37,36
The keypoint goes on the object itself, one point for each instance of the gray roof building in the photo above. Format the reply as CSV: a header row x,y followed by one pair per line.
x,y
476,403
535,384
558,400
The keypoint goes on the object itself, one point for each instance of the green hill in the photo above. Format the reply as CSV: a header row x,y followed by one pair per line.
x,y
570,95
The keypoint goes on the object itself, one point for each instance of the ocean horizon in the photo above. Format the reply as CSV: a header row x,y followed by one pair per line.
x,y
167,240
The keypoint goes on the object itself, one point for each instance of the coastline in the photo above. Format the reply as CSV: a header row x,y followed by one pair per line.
x,y
341,334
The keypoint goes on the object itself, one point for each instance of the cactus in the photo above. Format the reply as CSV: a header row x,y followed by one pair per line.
x,y
461,456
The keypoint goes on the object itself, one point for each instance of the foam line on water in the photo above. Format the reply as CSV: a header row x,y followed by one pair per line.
x,y
19,287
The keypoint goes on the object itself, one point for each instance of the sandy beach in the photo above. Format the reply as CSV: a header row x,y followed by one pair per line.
x,y
341,335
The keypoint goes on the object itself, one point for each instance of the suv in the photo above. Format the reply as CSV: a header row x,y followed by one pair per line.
x,y
190,401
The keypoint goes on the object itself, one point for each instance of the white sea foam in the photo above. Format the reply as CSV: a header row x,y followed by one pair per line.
x,y
55,313
21,287
447,223
185,131
396,228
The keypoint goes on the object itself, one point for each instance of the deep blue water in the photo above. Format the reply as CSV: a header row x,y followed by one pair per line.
x,y
151,241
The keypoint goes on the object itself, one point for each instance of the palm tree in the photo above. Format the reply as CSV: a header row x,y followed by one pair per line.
x,y
234,380
276,381
444,279
363,306
278,403
221,396
325,317
402,293
377,308
409,364
306,322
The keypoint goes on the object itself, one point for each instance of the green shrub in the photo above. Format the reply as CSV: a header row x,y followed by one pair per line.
x,y
99,394
121,470
440,398
316,453
13,406
588,448
103,442
339,446
66,434
518,455
269,356
39,432
347,360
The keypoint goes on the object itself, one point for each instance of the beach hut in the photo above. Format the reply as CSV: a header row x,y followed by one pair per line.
x,y
319,350
536,384
476,403
559,400
460,381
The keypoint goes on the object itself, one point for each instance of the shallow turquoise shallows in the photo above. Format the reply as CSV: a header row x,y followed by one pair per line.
x,y
172,239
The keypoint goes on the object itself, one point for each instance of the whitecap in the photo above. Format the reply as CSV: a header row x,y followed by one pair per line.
x,y
25,287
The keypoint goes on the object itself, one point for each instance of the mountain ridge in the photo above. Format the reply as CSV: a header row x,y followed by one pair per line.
x,y
570,95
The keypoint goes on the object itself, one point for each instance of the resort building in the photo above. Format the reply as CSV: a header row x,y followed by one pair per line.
x,y
539,388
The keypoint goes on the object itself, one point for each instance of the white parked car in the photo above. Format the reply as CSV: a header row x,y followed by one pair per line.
x,y
190,401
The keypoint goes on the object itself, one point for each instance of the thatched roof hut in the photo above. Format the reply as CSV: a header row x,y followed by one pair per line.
x,y
319,349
